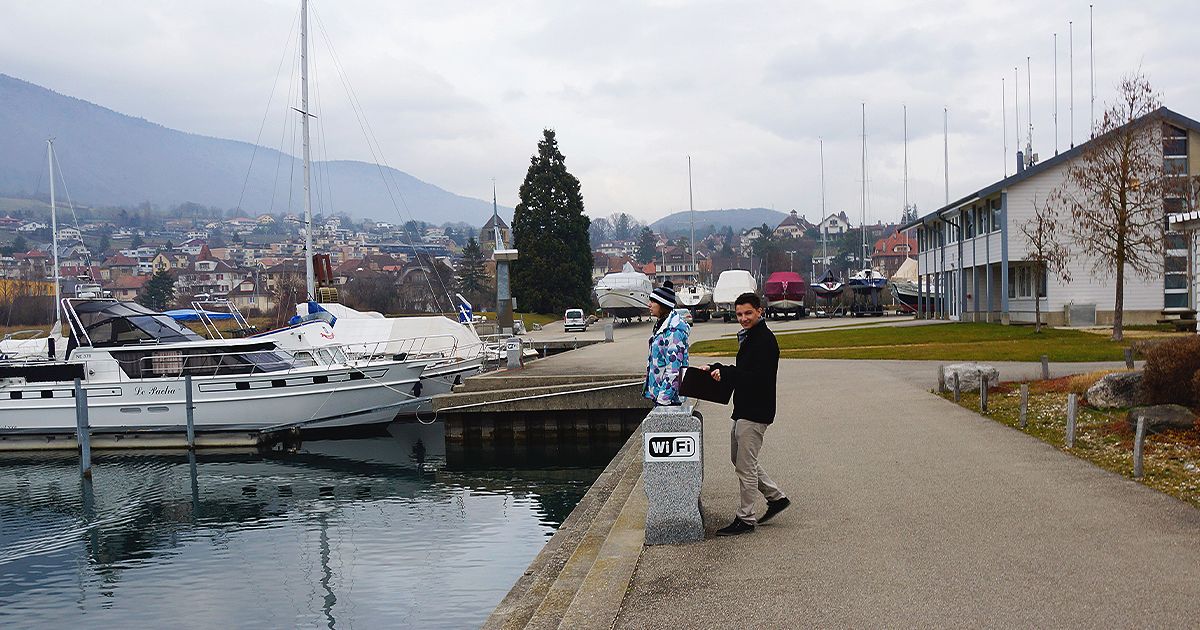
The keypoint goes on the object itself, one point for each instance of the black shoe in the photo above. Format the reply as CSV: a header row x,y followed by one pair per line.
x,y
773,508
736,528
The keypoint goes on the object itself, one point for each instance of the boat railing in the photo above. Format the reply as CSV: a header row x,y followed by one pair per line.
x,y
168,362
441,346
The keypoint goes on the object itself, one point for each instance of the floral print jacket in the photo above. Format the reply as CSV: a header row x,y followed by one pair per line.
x,y
668,357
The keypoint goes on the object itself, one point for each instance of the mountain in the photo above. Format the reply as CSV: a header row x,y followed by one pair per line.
x,y
714,220
110,159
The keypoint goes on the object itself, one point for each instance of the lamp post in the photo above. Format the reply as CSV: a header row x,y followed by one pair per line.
x,y
791,259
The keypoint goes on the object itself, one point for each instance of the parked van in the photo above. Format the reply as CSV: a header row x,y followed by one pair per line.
x,y
574,320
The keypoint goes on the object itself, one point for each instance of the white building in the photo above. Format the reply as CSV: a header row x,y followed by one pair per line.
x,y
972,253
837,223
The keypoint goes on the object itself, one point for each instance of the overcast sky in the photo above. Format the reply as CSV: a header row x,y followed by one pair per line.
x,y
458,93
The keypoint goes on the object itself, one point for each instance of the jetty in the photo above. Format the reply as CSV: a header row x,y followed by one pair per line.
x,y
907,510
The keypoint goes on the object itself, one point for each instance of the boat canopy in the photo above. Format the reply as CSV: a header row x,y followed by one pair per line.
x,y
907,271
111,323
733,283
193,315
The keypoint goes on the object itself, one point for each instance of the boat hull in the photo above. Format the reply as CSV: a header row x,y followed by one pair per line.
x,y
623,302
304,397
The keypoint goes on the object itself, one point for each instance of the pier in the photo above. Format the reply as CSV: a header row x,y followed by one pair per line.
x,y
906,509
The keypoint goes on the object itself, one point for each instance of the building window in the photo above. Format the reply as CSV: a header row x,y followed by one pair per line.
x,y
968,219
1022,279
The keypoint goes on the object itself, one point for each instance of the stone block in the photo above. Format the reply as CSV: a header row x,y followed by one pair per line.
x,y
1162,417
969,375
1115,391
673,474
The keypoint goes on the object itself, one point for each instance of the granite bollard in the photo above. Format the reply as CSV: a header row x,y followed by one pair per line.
x,y
672,473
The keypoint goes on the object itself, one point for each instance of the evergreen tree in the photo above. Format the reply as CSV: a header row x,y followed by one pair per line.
x,y
554,271
136,241
158,292
647,245
20,245
472,277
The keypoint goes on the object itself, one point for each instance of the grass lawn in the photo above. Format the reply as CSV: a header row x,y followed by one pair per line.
x,y
941,342
540,319
1171,461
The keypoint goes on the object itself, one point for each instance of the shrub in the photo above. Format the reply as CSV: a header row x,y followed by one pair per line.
x,y
1171,372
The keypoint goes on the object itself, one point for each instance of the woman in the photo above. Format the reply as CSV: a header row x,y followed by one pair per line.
x,y
668,349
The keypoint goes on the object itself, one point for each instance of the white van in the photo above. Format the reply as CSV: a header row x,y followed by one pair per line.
x,y
574,320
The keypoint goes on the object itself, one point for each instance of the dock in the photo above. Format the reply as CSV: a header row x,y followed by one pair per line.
x,y
907,510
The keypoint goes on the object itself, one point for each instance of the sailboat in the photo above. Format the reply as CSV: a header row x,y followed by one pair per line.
x,y
867,283
697,296
32,345
446,351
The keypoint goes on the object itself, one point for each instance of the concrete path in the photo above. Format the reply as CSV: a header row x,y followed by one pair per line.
x,y
911,511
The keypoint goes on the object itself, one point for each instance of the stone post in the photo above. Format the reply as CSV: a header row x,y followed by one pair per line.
x,y
1072,412
608,332
1129,358
1024,405
1045,368
955,387
1139,442
941,379
673,473
984,385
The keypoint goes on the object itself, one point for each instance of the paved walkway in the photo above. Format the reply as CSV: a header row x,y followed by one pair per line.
x,y
911,511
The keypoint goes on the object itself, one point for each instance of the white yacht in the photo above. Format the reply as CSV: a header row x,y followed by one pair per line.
x,y
132,362
625,294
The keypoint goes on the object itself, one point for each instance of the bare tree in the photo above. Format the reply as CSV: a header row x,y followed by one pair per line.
x,y
1114,191
1046,252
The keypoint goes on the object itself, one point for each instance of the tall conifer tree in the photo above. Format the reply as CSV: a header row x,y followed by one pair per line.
x,y
554,271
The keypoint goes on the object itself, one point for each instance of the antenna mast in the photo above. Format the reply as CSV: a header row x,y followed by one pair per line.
x,y
1071,78
1092,74
1056,94
1029,99
1004,118
1017,109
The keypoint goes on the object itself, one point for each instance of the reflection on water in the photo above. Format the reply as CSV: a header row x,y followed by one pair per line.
x,y
387,531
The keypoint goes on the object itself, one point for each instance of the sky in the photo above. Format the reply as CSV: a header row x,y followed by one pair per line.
x,y
457,94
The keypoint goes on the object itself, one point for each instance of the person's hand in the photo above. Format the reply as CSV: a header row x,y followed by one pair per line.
x,y
704,367
716,375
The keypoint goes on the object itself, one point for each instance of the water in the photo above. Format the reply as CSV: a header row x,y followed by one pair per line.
x,y
386,531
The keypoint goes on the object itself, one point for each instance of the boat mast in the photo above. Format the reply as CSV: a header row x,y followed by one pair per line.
x,y
54,235
824,229
692,216
308,219
863,201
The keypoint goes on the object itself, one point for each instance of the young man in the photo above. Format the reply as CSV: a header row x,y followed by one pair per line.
x,y
753,378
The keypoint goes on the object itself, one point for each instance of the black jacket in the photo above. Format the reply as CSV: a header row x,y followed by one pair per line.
x,y
754,376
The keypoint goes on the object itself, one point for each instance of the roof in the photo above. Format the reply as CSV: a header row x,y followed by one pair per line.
x,y
887,246
491,222
119,260
1165,114
129,282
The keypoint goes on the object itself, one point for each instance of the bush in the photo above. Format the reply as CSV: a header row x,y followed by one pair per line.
x,y
1171,374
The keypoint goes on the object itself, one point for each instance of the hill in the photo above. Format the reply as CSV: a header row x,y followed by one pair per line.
x,y
715,220
111,159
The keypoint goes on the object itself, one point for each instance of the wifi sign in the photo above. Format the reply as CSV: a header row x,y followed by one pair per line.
x,y
672,447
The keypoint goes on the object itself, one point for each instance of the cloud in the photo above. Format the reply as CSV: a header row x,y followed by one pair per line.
x,y
457,94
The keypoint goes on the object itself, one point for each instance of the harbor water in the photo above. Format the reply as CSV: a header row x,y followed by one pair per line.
x,y
388,530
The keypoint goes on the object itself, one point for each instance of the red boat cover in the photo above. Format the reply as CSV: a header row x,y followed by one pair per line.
x,y
785,285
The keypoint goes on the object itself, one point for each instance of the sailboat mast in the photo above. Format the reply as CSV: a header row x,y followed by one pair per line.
x,y
692,216
308,219
54,235
905,213
824,229
863,201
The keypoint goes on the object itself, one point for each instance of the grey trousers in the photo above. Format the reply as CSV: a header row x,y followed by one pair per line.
x,y
746,439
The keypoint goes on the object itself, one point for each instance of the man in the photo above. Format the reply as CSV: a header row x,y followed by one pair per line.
x,y
753,378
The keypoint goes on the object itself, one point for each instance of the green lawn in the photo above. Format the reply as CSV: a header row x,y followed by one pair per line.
x,y
942,342
540,319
